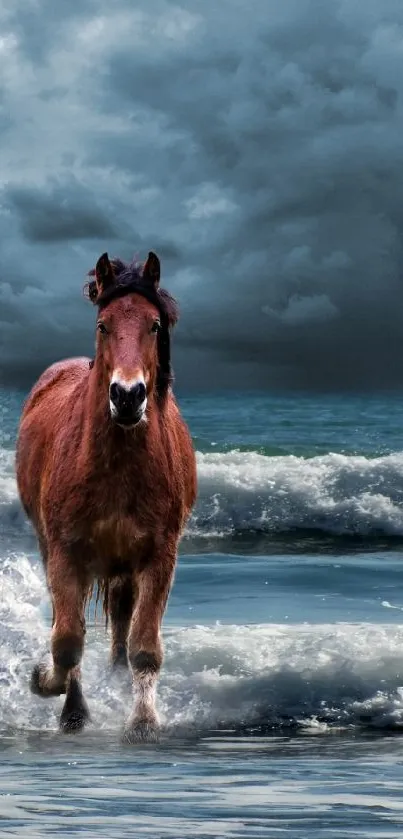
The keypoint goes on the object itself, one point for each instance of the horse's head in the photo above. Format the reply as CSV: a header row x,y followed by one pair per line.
x,y
133,334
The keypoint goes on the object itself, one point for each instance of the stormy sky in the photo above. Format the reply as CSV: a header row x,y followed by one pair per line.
x,y
256,146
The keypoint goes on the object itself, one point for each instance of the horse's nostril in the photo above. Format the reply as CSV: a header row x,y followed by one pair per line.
x,y
140,393
114,393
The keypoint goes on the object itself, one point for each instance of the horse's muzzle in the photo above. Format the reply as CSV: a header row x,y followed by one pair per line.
x,y
127,405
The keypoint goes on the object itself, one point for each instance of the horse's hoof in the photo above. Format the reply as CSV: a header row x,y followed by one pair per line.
x,y
35,683
142,731
119,663
119,657
39,686
73,722
75,715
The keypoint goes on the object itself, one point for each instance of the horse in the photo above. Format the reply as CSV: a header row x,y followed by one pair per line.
x,y
106,473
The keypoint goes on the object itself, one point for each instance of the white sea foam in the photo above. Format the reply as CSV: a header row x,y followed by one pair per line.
x,y
333,493
241,491
216,677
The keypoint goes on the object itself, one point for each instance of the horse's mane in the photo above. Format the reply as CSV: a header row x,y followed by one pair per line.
x,y
129,280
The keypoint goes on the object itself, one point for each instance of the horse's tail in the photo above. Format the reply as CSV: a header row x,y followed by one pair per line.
x,y
101,586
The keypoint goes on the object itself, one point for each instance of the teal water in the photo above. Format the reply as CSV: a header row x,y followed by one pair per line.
x,y
281,693
299,425
271,424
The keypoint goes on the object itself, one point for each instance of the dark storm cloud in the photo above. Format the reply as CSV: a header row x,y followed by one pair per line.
x,y
259,149
65,211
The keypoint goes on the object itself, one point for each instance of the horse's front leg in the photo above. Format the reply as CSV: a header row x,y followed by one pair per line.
x,y
145,651
68,589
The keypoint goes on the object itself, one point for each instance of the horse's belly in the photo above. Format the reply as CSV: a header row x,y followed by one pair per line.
x,y
116,543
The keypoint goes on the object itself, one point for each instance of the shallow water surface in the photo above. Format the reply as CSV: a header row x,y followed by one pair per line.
x,y
206,788
281,695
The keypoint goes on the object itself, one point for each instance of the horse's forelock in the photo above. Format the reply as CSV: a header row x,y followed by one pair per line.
x,y
128,277
127,272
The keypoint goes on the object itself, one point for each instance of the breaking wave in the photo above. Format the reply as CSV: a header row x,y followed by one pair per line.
x,y
244,678
332,493
242,492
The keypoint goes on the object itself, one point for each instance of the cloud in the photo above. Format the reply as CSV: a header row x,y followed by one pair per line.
x,y
300,310
260,154
58,213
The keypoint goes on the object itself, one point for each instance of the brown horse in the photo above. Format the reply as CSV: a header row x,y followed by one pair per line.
x,y
106,472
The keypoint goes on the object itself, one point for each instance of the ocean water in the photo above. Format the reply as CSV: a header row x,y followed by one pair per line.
x,y
281,694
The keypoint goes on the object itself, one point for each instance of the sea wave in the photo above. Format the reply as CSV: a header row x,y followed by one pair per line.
x,y
332,493
242,678
242,492
12,516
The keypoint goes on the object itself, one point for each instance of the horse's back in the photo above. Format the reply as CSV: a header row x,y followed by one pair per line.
x,y
45,410
56,382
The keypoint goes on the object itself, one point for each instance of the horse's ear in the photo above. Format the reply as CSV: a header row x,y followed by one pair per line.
x,y
152,270
104,276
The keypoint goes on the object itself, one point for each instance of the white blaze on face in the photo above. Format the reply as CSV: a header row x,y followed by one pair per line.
x,y
127,384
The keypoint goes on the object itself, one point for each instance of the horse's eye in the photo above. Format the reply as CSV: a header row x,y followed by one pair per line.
x,y
156,325
102,328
